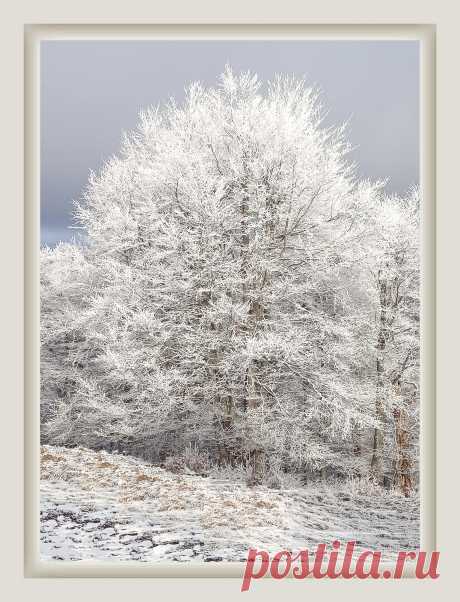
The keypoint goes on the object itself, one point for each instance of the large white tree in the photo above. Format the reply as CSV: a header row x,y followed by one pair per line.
x,y
229,303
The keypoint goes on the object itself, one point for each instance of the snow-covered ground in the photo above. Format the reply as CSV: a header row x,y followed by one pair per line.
x,y
101,506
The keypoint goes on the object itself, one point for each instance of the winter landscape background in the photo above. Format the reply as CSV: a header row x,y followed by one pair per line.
x,y
230,340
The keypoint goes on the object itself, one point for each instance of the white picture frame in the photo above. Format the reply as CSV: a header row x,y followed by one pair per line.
x,y
434,532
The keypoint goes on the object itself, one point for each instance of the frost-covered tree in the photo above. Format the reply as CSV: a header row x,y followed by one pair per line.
x,y
396,282
64,276
226,303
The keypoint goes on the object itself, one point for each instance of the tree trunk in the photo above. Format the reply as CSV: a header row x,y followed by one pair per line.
x,y
403,462
256,453
256,313
377,469
377,466
357,451
226,455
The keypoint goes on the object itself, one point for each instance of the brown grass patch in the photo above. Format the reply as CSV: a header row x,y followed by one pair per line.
x,y
104,465
264,504
126,499
229,503
143,477
51,458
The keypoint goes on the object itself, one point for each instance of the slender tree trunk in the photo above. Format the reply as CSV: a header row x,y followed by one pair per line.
x,y
256,313
357,451
403,461
403,468
253,396
225,410
377,469
226,451
377,465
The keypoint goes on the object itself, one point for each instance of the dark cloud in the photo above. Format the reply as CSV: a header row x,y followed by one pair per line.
x,y
92,91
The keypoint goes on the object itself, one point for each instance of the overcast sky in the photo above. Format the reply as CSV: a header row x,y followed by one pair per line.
x,y
92,91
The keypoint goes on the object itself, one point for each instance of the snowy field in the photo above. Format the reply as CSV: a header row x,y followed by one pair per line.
x,y
101,506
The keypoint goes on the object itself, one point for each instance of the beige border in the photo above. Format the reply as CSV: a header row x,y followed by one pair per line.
x,y
446,16
33,36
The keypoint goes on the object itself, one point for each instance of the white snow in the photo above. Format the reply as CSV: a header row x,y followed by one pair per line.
x,y
101,506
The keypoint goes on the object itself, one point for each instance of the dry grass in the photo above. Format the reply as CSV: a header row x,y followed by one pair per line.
x,y
235,506
224,515
50,458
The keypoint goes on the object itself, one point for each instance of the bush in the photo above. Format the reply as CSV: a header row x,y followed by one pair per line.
x,y
191,459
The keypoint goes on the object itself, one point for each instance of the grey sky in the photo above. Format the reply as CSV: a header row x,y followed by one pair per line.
x,y
93,90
